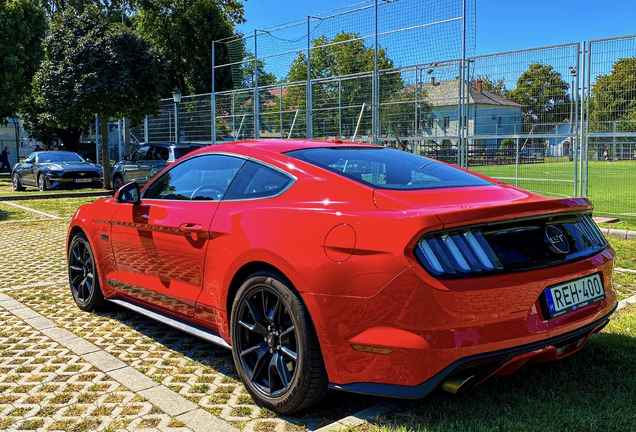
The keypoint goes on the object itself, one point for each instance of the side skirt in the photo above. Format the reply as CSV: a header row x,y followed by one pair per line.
x,y
185,327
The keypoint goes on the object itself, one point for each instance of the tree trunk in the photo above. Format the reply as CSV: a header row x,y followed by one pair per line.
x,y
105,153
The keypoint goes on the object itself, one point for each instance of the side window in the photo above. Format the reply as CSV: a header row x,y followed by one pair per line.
x,y
257,181
30,159
140,154
157,153
161,153
205,177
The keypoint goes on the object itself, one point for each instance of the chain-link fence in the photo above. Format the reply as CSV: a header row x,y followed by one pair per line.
x,y
558,120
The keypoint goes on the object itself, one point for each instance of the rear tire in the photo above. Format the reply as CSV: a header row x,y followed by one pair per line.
x,y
82,275
275,347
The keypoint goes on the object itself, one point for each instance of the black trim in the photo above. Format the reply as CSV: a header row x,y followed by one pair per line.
x,y
174,322
483,365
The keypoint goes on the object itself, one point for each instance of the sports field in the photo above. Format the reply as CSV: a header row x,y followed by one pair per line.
x,y
611,185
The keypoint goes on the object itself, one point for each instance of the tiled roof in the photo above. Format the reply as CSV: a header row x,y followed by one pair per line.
x,y
446,93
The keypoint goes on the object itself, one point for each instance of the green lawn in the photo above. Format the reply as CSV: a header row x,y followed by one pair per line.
x,y
611,186
594,390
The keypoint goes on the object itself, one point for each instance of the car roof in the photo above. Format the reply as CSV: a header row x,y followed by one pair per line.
x,y
41,152
281,145
173,144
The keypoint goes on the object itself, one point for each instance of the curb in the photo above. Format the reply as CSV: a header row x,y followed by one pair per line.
x,y
39,195
618,233
628,301
361,417
173,404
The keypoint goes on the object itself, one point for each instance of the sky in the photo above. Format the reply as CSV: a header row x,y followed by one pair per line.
x,y
502,25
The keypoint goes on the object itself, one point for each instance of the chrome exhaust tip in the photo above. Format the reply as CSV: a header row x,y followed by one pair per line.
x,y
459,382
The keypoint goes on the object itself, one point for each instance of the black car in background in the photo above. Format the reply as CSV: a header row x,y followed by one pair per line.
x,y
147,161
56,170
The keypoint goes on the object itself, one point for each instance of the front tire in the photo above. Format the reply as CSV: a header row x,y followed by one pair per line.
x,y
118,182
41,183
275,347
82,275
17,185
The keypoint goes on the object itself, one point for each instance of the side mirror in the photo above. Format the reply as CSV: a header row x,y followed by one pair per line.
x,y
128,193
89,160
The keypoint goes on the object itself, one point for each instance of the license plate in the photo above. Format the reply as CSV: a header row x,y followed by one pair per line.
x,y
83,180
572,295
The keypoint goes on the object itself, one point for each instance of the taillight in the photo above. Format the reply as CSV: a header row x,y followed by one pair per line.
x,y
458,253
513,245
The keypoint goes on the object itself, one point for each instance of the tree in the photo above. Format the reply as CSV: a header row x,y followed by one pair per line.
x,y
52,7
614,98
22,27
345,54
183,32
544,96
233,9
93,67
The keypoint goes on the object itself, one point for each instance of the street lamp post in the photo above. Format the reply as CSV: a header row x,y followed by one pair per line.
x,y
176,96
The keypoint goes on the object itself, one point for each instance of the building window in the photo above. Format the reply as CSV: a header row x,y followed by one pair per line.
x,y
446,122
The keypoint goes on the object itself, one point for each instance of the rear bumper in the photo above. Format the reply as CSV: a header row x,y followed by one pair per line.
x,y
484,365
435,328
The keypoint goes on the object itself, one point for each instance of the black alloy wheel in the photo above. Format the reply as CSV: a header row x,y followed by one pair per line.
x,y
275,347
17,185
41,183
82,275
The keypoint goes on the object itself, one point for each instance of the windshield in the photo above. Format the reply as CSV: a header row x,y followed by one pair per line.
x,y
386,168
57,156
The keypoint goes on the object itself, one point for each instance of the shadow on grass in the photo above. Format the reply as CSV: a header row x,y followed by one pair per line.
x,y
593,390
335,406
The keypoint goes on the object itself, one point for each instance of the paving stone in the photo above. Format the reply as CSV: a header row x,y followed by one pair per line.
x,y
104,346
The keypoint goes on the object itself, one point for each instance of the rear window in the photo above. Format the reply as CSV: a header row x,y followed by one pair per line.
x,y
386,168
182,151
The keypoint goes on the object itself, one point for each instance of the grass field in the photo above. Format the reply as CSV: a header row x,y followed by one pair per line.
x,y
594,390
611,185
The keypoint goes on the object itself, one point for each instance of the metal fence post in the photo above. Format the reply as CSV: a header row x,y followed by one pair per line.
x,y
375,81
464,97
585,108
309,102
280,109
213,102
145,129
340,107
257,120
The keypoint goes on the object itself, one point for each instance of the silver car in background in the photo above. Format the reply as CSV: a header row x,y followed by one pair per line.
x,y
148,160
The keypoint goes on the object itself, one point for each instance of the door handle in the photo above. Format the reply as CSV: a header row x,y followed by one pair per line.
x,y
193,231
190,228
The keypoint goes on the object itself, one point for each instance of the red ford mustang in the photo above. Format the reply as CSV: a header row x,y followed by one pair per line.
x,y
347,266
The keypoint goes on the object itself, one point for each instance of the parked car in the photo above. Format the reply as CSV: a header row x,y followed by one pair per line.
x,y
347,266
149,159
56,170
